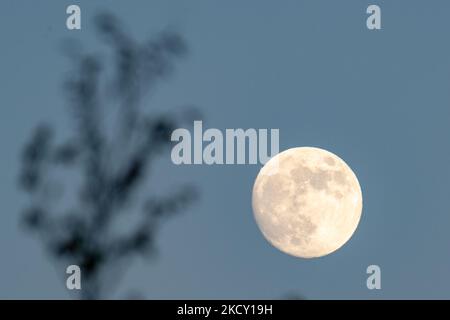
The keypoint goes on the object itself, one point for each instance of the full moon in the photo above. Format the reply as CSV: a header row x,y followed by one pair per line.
x,y
307,202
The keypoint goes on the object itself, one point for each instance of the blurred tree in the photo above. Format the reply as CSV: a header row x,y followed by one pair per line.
x,y
293,296
108,166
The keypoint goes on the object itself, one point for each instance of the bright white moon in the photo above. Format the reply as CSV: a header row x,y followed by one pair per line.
x,y
307,202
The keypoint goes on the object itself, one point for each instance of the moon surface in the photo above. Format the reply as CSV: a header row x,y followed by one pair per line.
x,y
307,202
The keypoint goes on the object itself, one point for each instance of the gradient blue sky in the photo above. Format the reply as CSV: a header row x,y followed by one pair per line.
x,y
380,100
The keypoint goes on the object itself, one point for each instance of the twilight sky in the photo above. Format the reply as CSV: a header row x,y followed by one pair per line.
x,y
380,100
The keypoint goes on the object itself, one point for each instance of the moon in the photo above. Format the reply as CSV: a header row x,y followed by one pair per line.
x,y
307,202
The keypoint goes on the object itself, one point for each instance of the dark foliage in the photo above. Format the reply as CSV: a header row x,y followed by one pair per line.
x,y
111,166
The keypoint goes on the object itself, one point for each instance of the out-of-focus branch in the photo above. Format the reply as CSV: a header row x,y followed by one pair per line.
x,y
110,167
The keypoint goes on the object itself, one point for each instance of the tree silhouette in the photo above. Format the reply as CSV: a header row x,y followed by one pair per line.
x,y
105,162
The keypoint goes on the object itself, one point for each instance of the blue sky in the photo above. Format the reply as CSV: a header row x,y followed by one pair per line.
x,y
379,100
